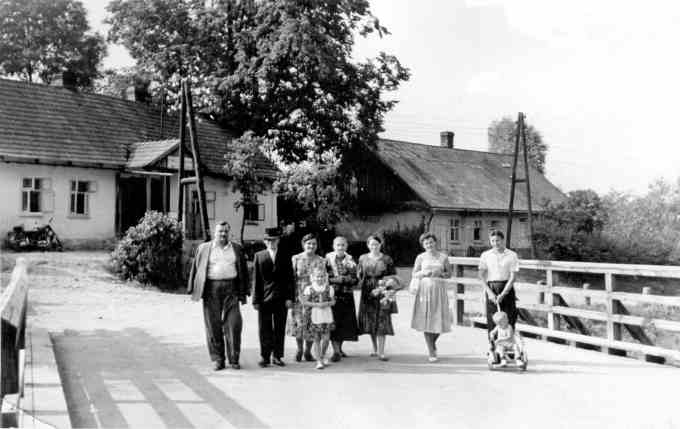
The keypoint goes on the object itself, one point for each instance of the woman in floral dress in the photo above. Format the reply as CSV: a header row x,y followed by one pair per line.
x,y
342,272
299,324
377,278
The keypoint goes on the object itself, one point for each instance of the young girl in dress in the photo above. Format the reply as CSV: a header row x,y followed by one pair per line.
x,y
319,295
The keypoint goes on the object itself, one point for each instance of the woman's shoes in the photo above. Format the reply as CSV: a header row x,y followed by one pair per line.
x,y
343,354
309,357
432,359
373,354
319,365
384,358
325,362
335,357
298,356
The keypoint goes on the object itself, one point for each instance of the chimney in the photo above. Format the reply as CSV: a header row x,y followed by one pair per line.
x,y
69,80
446,139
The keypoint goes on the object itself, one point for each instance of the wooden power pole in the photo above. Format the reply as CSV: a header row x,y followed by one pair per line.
x,y
521,135
187,120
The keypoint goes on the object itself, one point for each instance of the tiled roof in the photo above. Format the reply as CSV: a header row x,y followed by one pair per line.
x,y
143,154
457,179
55,124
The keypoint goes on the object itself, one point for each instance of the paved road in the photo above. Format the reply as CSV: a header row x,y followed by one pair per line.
x,y
136,358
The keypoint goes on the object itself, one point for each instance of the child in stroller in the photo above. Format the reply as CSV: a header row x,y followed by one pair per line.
x,y
506,344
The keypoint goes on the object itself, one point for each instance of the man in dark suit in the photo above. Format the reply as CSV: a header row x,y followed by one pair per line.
x,y
219,276
273,294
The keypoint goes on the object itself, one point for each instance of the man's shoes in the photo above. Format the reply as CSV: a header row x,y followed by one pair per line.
x,y
278,362
335,357
343,354
298,356
235,366
219,365
308,356
263,363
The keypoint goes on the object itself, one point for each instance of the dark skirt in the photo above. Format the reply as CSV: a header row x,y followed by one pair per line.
x,y
508,305
373,318
344,317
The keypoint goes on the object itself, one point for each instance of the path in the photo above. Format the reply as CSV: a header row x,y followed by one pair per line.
x,y
134,357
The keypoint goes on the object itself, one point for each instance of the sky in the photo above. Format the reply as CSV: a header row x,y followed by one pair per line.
x,y
600,80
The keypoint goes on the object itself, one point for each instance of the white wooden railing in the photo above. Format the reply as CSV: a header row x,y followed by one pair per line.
x,y
549,299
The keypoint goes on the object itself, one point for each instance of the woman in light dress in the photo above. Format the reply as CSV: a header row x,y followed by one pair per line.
x,y
431,313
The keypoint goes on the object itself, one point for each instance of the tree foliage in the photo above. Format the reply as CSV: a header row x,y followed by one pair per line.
x,y
40,39
117,83
618,227
502,135
281,68
316,191
242,162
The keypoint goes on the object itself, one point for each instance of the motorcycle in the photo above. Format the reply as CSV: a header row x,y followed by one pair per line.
x,y
42,238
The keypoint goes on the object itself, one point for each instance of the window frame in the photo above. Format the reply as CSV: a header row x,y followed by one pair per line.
x,y
28,191
477,230
455,226
74,192
247,210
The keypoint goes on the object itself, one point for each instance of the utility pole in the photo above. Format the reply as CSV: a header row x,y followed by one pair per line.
x,y
520,136
187,119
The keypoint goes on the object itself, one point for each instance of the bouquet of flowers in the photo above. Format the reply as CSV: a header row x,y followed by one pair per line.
x,y
386,291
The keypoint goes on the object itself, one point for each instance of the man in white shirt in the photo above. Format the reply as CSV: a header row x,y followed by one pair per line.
x,y
219,276
498,268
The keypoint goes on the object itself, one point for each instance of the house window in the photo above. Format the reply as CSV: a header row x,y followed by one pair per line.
x,y
33,194
210,204
253,212
477,230
79,203
454,230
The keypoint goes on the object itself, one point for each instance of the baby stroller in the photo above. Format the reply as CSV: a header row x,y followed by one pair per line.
x,y
506,352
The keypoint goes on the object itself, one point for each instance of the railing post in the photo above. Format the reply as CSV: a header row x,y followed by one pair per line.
x,y
613,329
586,287
541,292
458,298
553,319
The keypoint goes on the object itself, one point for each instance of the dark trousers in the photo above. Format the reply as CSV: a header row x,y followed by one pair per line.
x,y
272,322
507,305
223,322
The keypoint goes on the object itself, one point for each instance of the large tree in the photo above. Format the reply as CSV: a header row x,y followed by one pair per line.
x,y
503,133
41,39
281,68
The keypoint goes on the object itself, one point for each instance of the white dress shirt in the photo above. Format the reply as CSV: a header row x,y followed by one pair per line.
x,y
222,262
499,265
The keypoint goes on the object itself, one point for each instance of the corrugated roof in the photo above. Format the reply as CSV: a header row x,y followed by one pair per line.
x,y
56,124
457,179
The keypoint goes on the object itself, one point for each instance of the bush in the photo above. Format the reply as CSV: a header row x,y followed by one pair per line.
x,y
149,252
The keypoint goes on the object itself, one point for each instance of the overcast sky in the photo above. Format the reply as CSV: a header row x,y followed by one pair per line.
x,y
600,80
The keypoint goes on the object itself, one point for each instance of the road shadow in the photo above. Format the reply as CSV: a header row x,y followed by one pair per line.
x,y
132,361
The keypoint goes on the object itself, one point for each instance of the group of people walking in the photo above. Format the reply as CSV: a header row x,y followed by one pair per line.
x,y
319,292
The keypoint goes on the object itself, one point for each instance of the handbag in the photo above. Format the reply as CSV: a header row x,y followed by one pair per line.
x,y
414,286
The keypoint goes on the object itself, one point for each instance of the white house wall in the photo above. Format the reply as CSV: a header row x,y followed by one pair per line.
x,y
224,208
95,228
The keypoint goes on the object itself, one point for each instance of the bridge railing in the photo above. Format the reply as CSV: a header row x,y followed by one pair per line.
x,y
550,301
13,304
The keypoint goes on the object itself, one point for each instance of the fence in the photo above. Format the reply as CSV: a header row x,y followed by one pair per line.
x,y
549,300
13,303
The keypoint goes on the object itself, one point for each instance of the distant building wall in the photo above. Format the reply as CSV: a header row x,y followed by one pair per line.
x,y
53,200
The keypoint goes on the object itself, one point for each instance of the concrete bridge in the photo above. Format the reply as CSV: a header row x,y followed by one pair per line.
x,y
131,357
